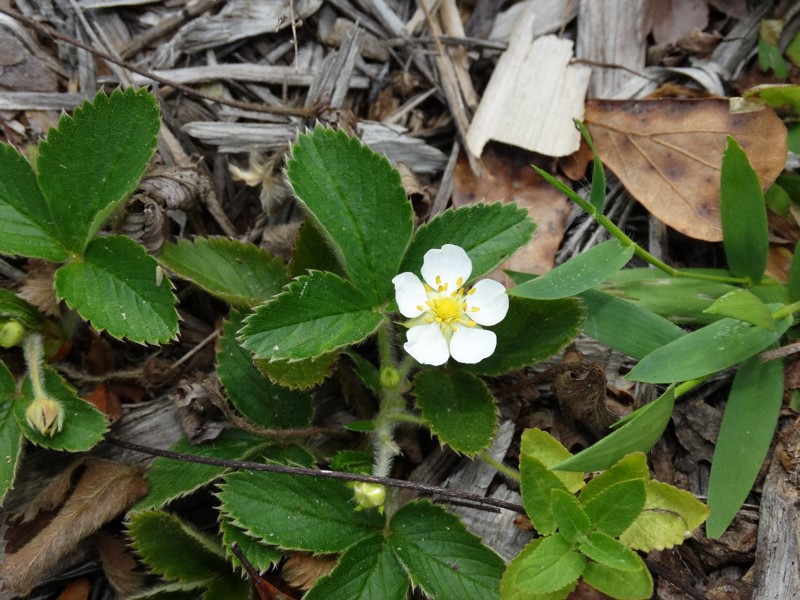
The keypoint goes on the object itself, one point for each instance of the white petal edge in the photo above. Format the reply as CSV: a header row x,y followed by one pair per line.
x,y
470,345
450,262
426,343
410,295
492,301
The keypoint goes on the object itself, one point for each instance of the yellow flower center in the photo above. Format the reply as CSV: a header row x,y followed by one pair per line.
x,y
448,309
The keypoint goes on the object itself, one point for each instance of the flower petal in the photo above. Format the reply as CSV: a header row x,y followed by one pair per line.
x,y
451,263
427,345
471,345
491,300
410,294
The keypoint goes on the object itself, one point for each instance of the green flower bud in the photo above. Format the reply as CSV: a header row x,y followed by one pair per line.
x,y
12,332
389,377
369,495
45,415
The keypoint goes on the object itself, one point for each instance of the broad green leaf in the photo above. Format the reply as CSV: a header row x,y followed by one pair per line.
x,y
297,513
251,393
115,287
174,549
552,566
745,306
641,431
604,549
668,518
510,589
597,197
358,200
794,275
260,555
173,590
459,408
441,557
542,446
748,425
578,274
489,233
169,479
352,461
316,314
84,425
632,466
745,235
312,252
614,509
241,274
367,372
571,519
298,374
622,585
229,587
10,434
532,331
14,307
27,227
366,571
94,159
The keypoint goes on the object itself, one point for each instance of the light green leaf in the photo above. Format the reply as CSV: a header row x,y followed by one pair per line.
x,y
359,201
614,509
571,519
543,447
603,548
10,434
511,590
260,555
578,274
366,571
441,557
489,233
777,95
745,235
27,227
241,274
251,393
115,287
175,549
532,331
316,313
298,374
297,513
94,159
459,408
552,566
748,425
632,466
668,518
622,585
745,306
598,194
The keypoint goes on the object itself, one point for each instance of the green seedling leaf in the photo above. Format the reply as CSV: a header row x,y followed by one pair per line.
x,y
10,434
614,509
552,566
794,275
748,425
717,346
441,557
745,306
352,461
745,235
459,408
298,374
632,466
27,228
489,233
543,447
571,519
778,200
93,160
776,95
597,197
115,286
260,555
14,307
770,57
241,274
668,518
358,200
297,513
366,571
316,314
549,325
622,585
578,274
604,549
640,432
169,479
256,397
510,589
174,549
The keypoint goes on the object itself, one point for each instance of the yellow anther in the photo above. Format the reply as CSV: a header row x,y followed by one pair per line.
x,y
438,280
420,307
474,309
460,281
471,323
472,291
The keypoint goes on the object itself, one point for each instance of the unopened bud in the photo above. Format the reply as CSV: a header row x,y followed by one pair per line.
x,y
45,415
369,495
389,377
12,332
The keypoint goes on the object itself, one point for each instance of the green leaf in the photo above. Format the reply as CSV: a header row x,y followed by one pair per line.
x,y
298,374
10,434
114,285
316,313
366,571
748,425
543,447
598,194
632,466
312,252
352,461
367,372
297,513
571,519
14,307
510,589
359,201
553,565
174,549
241,274
251,393
441,557
745,306
459,408
532,331
668,518
489,233
94,159
261,556
794,275
84,425
604,549
578,274
614,509
640,432
229,587
745,235
27,227
622,585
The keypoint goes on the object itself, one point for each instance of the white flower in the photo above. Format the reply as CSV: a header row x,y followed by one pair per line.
x,y
445,320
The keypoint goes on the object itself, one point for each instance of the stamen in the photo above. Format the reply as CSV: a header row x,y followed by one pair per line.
x,y
438,280
420,307
460,281
429,320
471,323
474,309
472,291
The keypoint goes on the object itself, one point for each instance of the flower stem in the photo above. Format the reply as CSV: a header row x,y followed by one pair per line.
x,y
34,358
508,472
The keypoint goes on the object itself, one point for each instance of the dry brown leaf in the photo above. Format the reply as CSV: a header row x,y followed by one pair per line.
x,y
38,288
120,566
76,590
105,489
303,569
668,154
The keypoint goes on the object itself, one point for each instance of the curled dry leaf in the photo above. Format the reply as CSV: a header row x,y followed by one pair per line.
x,y
668,154
303,569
